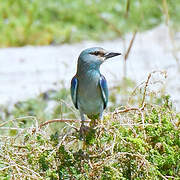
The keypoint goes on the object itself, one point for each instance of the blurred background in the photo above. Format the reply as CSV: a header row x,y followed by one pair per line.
x,y
41,41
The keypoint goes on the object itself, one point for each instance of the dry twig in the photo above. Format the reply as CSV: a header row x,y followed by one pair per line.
x,y
61,120
130,45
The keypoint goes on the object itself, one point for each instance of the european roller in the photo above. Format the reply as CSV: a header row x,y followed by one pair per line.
x,y
89,90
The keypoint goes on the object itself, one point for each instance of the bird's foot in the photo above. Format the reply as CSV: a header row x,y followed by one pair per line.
x,y
93,123
83,131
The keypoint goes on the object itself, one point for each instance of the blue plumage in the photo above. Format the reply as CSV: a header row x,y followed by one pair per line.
x,y
104,90
89,90
74,85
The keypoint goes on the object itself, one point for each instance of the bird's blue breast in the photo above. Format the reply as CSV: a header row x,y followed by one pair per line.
x,y
89,94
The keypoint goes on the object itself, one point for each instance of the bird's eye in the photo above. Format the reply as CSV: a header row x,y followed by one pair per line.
x,y
97,53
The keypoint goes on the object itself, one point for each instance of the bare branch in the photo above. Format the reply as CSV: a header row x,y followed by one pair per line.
x,y
61,120
127,8
129,109
130,45
145,88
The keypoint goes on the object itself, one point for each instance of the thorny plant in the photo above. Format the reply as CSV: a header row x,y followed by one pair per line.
x,y
130,143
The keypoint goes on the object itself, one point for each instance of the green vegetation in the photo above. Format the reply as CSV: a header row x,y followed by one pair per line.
x,y
130,143
54,22
139,137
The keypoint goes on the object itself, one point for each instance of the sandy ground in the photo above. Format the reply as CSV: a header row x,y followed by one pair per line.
x,y
27,71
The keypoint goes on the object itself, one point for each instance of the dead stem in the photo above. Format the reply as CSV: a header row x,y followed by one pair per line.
x,y
130,45
61,120
127,8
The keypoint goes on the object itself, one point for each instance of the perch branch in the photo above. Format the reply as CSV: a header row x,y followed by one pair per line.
x,y
61,120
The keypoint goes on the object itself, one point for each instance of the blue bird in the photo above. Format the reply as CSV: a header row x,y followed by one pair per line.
x,y
89,90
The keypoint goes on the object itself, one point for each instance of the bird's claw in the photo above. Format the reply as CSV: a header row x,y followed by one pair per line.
x,y
83,131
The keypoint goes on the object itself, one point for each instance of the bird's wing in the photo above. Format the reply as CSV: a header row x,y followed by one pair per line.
x,y
74,86
104,90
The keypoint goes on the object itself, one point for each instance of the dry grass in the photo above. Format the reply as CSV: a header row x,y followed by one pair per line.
x,y
130,143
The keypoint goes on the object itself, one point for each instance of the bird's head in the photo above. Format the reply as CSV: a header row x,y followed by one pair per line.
x,y
95,56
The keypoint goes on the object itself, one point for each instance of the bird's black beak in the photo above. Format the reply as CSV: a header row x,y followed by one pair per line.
x,y
111,54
